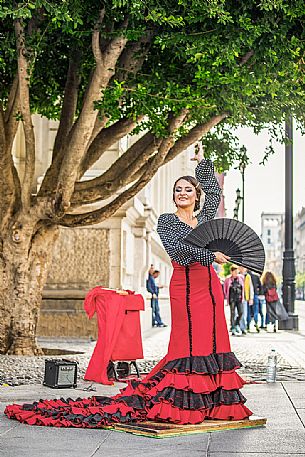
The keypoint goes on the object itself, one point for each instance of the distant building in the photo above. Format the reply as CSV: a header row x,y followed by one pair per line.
x,y
299,241
272,230
273,238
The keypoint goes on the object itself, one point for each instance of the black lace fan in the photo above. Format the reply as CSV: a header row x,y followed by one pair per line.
x,y
233,238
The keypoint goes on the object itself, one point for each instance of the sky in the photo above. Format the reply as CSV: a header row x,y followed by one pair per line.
x,y
265,184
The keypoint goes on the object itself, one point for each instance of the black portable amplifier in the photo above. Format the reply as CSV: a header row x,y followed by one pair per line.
x,y
60,374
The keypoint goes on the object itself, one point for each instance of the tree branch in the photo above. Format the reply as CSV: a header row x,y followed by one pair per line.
x,y
2,131
194,135
24,93
7,169
83,128
98,56
122,178
130,61
9,179
133,56
120,164
104,140
96,47
17,186
246,57
136,162
100,123
73,220
69,102
182,144
13,107
11,98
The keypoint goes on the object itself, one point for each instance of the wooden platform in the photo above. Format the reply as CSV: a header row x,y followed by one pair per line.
x,y
166,430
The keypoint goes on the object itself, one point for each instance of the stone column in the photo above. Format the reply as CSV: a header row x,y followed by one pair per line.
x,y
115,244
140,258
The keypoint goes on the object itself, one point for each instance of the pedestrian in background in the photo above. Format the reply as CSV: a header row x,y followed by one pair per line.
x,y
153,289
247,299
158,318
262,307
275,308
150,287
257,286
233,292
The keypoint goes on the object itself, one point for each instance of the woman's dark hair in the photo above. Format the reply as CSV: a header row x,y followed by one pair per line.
x,y
268,279
193,181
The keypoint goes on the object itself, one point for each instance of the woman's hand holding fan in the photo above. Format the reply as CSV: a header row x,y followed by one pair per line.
x,y
221,258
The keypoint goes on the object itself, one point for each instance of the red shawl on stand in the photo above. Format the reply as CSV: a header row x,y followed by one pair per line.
x,y
119,330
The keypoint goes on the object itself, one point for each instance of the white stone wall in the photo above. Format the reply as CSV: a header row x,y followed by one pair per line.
x,y
80,259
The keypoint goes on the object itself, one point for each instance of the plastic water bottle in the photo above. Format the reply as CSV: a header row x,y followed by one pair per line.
x,y
271,366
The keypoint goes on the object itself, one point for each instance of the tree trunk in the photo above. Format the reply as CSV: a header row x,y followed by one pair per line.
x,y
25,255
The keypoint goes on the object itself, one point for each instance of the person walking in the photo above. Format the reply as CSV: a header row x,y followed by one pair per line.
x,y
153,288
262,307
156,275
254,309
275,308
247,298
197,379
233,292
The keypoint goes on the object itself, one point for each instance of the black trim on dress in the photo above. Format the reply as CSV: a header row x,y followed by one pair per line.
x,y
214,310
188,308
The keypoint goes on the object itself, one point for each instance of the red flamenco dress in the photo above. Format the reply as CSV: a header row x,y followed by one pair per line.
x,y
195,381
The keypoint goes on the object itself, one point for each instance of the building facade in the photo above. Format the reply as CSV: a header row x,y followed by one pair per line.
x,y
273,237
299,241
272,230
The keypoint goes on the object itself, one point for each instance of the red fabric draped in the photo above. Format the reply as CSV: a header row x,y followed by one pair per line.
x,y
119,331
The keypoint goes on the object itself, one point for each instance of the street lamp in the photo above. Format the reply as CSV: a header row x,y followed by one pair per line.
x,y
237,204
242,167
288,254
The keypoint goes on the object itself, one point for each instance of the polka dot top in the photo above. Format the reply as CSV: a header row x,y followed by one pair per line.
x,y
172,230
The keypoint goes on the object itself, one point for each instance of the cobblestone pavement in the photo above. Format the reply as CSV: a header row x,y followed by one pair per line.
x,y
17,370
252,351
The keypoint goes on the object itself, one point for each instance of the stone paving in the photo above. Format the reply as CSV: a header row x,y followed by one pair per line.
x,y
282,403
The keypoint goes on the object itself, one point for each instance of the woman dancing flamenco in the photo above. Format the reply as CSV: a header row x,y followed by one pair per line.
x,y
196,380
